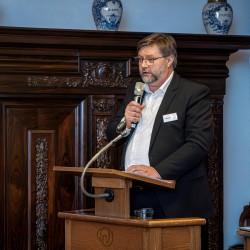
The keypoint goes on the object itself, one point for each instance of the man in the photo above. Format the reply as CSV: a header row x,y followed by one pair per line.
x,y
173,135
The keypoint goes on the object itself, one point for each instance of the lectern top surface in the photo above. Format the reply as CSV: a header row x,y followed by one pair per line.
x,y
113,173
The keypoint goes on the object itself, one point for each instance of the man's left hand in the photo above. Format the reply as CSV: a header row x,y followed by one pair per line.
x,y
144,170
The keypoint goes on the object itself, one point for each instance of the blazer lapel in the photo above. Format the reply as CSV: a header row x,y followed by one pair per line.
x,y
166,101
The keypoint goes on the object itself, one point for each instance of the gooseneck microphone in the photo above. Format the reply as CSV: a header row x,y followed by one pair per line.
x,y
138,92
108,193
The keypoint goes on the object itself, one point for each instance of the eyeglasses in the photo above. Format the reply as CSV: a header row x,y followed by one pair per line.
x,y
149,61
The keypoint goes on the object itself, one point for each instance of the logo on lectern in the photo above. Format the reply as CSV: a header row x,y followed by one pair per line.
x,y
105,236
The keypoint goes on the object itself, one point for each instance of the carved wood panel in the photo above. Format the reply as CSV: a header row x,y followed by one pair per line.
x,y
39,135
215,175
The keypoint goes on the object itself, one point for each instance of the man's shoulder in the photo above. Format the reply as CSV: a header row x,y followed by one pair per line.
x,y
189,84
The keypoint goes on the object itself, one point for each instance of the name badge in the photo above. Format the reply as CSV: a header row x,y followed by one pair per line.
x,y
170,117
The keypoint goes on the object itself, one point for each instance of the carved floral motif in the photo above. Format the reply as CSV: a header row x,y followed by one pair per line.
x,y
94,74
41,194
103,105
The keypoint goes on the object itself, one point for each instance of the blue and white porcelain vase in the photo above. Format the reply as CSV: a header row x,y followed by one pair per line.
x,y
107,14
217,17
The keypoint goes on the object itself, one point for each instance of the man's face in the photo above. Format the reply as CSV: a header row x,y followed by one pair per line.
x,y
154,75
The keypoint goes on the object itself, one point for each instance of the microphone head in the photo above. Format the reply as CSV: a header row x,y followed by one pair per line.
x,y
139,88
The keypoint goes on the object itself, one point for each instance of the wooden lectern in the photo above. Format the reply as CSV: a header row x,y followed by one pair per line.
x,y
110,226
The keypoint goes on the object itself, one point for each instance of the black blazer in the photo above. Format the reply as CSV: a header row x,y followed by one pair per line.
x,y
178,148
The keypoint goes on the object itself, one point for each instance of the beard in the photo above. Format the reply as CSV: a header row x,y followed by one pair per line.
x,y
149,79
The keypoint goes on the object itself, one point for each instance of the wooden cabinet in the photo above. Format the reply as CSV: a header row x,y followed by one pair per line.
x,y
58,91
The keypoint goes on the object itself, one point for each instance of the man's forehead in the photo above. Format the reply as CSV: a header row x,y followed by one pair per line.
x,y
149,49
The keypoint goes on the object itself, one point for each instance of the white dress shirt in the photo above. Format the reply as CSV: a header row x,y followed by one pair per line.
x,y
138,147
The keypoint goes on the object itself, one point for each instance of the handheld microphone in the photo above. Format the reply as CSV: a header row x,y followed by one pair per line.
x,y
138,92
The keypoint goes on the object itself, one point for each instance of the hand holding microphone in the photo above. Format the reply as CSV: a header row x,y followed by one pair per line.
x,y
133,109
138,92
133,114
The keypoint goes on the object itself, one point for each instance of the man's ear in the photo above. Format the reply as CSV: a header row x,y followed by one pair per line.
x,y
170,60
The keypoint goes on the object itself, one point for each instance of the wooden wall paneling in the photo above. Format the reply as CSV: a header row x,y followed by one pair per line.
x,y
215,177
38,136
58,91
2,180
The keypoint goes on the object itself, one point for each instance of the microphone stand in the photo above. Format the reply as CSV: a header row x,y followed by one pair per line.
x,y
109,195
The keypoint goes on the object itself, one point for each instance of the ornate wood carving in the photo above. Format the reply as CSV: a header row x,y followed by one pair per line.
x,y
101,107
42,194
54,82
67,85
105,73
215,175
95,74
